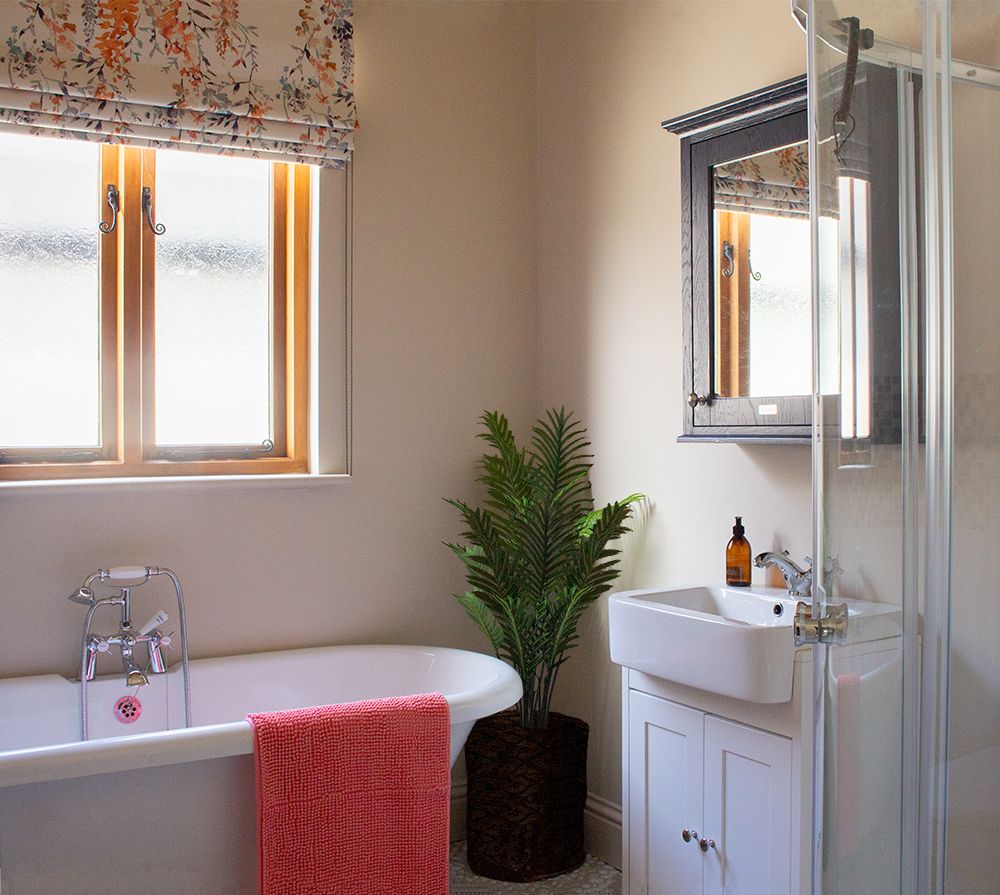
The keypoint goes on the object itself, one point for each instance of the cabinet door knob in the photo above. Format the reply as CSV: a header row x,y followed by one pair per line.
x,y
694,400
706,844
688,835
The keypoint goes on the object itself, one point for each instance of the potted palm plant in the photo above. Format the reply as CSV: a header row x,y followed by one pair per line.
x,y
536,555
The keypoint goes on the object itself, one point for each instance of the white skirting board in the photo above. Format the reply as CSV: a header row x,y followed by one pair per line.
x,y
602,825
602,830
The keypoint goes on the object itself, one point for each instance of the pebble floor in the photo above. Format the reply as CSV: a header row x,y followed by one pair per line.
x,y
593,878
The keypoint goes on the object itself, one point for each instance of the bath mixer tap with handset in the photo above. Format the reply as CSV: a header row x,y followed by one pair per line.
x,y
124,579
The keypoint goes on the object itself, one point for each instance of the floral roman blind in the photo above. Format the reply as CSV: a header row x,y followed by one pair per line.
x,y
269,78
774,182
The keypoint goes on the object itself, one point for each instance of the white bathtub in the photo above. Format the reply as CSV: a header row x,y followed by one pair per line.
x,y
179,802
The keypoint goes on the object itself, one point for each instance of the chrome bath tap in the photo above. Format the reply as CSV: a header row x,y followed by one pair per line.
x,y
127,642
797,580
124,579
125,639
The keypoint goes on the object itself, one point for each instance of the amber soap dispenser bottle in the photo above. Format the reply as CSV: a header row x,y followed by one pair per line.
x,y
738,557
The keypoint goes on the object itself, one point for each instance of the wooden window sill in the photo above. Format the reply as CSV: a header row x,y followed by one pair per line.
x,y
173,482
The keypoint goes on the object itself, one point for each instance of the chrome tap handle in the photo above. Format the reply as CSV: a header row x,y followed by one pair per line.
x,y
831,567
91,660
156,663
94,646
159,619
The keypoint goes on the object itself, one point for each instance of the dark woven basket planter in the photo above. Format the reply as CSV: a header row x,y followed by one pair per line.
x,y
527,791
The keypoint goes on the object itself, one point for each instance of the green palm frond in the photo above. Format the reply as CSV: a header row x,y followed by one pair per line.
x,y
537,551
479,612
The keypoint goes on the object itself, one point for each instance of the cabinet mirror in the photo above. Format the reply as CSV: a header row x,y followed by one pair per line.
x,y
760,274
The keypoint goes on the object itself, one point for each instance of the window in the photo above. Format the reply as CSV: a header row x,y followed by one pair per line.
x,y
762,275
175,344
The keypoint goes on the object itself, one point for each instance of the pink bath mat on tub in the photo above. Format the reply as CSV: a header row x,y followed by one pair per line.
x,y
353,799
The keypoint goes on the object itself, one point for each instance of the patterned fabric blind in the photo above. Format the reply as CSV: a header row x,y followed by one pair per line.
x,y
269,78
774,182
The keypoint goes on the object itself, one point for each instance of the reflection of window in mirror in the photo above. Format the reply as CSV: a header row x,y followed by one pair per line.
x,y
763,327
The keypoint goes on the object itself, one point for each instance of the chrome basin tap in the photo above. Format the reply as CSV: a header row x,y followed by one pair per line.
x,y
797,580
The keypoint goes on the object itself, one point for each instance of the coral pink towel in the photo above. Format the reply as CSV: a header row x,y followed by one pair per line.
x,y
848,768
353,799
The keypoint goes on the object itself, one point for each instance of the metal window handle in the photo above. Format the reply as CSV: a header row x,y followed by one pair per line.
x,y
147,210
706,844
105,226
728,252
193,453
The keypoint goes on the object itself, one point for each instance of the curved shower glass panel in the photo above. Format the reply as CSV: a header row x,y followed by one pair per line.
x,y
903,136
866,474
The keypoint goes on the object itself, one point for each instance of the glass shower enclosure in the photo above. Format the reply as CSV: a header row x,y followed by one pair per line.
x,y
904,111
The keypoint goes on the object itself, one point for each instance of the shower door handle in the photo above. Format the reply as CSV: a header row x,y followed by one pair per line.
x,y
829,628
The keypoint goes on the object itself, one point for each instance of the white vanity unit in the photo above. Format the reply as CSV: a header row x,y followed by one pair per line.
x,y
717,738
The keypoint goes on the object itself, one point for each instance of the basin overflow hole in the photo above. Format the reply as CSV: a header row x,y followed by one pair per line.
x,y
128,709
778,609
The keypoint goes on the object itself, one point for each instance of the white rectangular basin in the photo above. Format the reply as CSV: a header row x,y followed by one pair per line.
x,y
735,641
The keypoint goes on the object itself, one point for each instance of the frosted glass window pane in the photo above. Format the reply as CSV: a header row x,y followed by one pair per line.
x,y
49,293
780,312
213,300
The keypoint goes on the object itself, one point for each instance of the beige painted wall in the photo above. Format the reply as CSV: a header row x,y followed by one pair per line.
x,y
444,303
609,296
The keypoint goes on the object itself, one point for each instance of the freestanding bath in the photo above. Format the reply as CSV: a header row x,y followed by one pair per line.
x,y
171,806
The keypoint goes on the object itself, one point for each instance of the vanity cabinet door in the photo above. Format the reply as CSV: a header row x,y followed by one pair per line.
x,y
748,802
666,754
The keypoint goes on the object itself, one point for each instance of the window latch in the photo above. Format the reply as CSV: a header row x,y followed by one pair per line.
x,y
147,210
728,252
109,226
196,453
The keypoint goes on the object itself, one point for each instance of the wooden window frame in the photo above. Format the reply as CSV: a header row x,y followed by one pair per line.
x,y
732,307
127,285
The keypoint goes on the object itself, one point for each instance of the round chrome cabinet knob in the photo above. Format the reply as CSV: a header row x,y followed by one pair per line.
x,y
695,400
706,844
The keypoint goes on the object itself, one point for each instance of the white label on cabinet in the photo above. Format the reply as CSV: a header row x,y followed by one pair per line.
x,y
767,409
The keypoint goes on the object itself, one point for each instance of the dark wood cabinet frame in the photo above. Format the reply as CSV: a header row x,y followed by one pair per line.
x,y
756,122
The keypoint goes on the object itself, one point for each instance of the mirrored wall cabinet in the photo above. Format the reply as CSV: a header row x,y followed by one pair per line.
x,y
748,361
746,251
